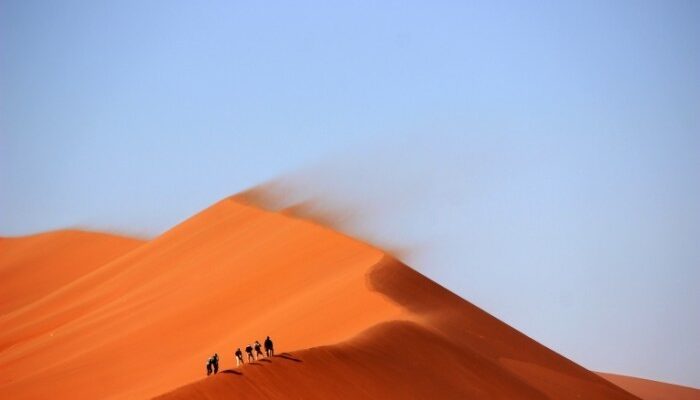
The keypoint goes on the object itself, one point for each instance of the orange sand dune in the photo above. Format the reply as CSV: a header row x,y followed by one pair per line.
x,y
653,390
354,322
34,266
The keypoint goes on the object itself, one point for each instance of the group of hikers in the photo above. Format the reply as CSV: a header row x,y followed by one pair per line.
x,y
213,361
213,364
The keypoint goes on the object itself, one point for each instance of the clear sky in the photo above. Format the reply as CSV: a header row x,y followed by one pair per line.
x,y
541,159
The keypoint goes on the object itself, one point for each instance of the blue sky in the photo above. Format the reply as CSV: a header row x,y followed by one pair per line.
x,y
541,160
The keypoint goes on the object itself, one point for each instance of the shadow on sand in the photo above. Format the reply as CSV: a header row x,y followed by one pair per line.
x,y
288,356
231,371
258,363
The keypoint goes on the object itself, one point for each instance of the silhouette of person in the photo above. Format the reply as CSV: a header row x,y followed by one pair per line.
x,y
215,362
269,349
209,366
258,353
249,350
239,357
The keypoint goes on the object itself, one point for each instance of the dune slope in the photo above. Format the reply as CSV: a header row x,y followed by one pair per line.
x,y
353,322
653,390
449,349
34,266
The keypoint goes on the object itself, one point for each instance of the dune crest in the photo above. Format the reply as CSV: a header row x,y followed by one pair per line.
x,y
349,320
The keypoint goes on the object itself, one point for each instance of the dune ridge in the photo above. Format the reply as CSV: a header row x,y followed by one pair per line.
x,y
351,321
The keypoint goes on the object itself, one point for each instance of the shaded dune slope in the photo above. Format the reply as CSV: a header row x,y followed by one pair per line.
x,y
653,390
354,322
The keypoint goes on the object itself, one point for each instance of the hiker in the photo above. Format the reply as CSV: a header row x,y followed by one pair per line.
x,y
215,362
209,366
258,353
269,350
239,357
249,351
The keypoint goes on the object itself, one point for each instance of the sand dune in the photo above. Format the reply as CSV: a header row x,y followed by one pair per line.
x,y
653,390
449,349
141,319
33,266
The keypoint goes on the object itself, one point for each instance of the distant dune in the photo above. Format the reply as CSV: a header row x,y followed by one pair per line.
x,y
34,266
88,316
653,390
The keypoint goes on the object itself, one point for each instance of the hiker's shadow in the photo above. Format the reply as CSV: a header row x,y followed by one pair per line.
x,y
231,371
288,356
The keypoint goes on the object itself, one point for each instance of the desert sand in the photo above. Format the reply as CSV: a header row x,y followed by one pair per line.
x,y
88,315
653,390
32,267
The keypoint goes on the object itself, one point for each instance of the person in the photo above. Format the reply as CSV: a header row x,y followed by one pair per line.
x,y
269,350
239,357
249,350
209,366
215,362
258,352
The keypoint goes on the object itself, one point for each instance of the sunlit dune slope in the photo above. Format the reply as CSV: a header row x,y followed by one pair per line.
x,y
653,390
